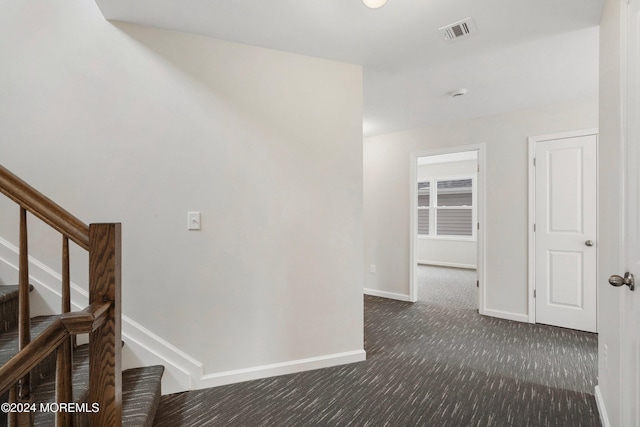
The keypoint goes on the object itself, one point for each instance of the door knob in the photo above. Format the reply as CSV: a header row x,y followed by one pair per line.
x,y
589,243
617,281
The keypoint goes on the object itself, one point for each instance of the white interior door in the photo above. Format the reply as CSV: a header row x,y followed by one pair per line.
x,y
630,340
565,234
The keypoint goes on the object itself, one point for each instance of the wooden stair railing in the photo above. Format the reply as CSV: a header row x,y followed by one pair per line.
x,y
101,319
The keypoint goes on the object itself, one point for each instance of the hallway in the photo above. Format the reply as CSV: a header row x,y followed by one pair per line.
x,y
432,363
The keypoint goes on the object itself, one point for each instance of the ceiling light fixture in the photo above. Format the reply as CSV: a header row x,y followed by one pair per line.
x,y
374,4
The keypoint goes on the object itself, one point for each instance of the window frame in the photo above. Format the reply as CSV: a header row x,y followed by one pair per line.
x,y
433,208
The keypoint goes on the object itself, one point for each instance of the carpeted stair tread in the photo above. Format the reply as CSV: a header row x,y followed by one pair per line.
x,y
9,306
141,387
140,395
9,339
43,377
9,292
45,392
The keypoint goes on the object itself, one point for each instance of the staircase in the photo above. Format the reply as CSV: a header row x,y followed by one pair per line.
x,y
46,379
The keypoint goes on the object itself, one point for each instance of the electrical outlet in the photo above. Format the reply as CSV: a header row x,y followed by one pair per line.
x,y
372,269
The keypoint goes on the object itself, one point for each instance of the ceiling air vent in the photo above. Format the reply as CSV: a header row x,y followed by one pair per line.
x,y
458,30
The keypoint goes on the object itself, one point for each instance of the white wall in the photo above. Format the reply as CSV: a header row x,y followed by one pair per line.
x,y
386,196
130,124
462,167
447,251
609,214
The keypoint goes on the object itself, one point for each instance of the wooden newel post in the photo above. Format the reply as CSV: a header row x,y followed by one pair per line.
x,y
105,343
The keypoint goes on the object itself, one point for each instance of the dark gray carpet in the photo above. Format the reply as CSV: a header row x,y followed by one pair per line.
x,y
432,363
140,386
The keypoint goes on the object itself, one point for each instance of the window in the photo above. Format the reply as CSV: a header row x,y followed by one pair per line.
x,y
446,207
423,208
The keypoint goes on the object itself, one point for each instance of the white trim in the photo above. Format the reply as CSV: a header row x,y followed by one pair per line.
x,y
480,187
290,367
518,317
413,226
461,157
448,238
532,141
389,295
180,368
531,236
433,204
143,347
447,177
42,276
481,215
602,409
447,264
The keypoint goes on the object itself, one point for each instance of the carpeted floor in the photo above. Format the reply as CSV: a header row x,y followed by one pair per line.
x,y
432,363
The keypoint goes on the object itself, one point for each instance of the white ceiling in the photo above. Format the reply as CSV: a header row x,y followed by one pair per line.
x,y
525,53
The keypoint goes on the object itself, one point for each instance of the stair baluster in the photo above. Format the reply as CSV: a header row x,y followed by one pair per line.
x,y
101,319
64,356
23,394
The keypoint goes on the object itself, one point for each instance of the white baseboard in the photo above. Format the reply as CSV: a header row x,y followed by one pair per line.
x,y
290,367
602,409
42,277
385,294
506,315
142,346
448,264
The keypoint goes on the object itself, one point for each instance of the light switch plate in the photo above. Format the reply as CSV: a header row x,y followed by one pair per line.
x,y
193,219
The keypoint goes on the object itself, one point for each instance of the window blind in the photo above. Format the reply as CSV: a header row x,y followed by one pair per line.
x,y
450,202
454,222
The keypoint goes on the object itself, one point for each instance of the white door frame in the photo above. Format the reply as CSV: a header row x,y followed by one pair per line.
x,y
480,209
532,207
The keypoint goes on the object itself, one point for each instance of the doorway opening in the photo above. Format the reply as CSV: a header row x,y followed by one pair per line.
x,y
447,215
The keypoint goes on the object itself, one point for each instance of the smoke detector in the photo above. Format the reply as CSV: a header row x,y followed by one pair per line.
x,y
458,30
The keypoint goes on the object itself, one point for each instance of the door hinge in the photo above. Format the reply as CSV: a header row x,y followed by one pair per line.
x,y
534,161
478,226
534,293
478,168
534,228
477,283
